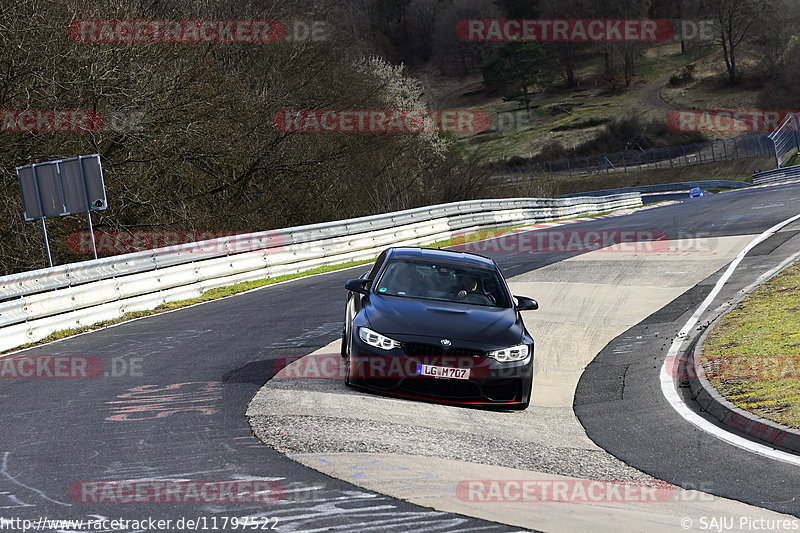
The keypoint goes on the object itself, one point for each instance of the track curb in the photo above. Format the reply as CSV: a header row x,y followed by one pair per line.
x,y
728,414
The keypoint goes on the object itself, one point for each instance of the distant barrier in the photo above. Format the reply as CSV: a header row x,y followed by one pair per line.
x,y
758,145
786,139
666,187
777,175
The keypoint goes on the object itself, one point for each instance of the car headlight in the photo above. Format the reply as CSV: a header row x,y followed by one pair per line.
x,y
377,340
514,353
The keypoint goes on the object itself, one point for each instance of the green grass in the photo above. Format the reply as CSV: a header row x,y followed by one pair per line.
x,y
752,356
556,117
230,290
570,116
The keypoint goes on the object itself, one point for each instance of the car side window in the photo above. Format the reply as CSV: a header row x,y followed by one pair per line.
x,y
376,267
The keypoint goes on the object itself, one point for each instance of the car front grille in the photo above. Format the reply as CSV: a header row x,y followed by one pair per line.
x,y
432,350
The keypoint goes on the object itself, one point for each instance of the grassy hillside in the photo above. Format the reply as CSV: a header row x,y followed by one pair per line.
x,y
577,115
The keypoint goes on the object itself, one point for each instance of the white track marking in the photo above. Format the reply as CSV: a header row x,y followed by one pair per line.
x,y
668,386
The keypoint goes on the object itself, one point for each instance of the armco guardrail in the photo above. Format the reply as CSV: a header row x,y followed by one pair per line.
x,y
777,175
35,304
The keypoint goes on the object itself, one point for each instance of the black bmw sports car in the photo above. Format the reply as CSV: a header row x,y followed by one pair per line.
x,y
438,325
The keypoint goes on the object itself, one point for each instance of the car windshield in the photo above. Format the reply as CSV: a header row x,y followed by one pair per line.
x,y
444,282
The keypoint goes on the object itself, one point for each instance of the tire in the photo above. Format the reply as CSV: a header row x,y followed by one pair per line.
x,y
346,355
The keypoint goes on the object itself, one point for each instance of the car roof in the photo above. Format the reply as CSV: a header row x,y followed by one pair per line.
x,y
437,254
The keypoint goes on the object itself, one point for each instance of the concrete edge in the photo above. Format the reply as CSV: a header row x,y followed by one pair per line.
x,y
712,402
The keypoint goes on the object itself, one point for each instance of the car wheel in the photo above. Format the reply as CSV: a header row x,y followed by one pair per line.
x,y
347,371
346,356
344,343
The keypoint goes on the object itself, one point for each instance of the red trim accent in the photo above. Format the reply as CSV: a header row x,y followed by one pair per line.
x,y
434,399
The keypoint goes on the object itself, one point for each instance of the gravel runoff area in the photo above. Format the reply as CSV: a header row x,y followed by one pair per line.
x,y
306,434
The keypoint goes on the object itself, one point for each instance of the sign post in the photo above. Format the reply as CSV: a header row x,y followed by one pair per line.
x,y
88,208
44,226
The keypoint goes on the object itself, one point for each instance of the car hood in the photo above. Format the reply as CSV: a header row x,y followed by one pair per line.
x,y
394,315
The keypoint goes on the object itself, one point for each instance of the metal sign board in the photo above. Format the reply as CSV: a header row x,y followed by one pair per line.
x,y
30,196
63,187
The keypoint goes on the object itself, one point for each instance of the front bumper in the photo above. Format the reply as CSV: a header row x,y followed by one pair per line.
x,y
394,372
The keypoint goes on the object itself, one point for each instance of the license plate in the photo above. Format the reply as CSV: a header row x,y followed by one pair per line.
x,y
444,372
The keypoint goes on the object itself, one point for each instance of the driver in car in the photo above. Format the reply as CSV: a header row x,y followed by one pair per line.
x,y
471,293
470,286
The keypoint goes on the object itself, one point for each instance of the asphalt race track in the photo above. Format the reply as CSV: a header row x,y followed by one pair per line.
x,y
620,390
173,405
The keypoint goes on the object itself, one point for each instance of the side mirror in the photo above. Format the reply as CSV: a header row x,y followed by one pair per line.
x,y
357,285
526,304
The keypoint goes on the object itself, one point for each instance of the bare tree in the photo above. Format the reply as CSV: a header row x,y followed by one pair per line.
x,y
565,52
776,34
734,21
453,55
421,18
189,141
